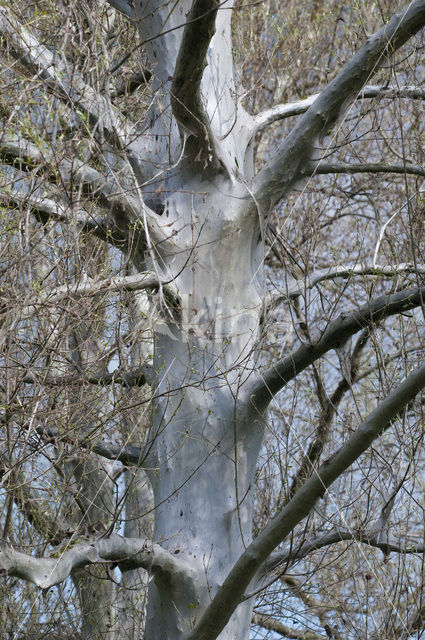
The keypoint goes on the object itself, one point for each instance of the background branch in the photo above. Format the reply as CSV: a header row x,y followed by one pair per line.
x,y
327,414
269,623
371,538
298,287
60,77
320,168
137,282
233,588
282,111
124,7
285,167
335,335
128,455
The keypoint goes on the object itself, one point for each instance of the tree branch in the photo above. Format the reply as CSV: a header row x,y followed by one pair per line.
x,y
20,152
317,609
128,455
269,623
134,378
186,99
129,85
128,553
319,168
297,288
282,111
334,537
136,282
48,209
327,413
285,167
335,335
29,503
59,76
124,208
124,7
65,292
232,591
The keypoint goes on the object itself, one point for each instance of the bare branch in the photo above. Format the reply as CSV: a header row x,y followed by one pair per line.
x,y
217,614
128,212
417,624
336,334
60,77
282,111
133,378
319,168
18,151
328,411
128,455
334,537
29,503
186,99
285,167
268,622
125,209
128,553
48,209
318,609
298,288
137,282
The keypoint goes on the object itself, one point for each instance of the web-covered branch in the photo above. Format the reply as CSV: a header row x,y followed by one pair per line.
x,y
59,75
186,99
286,166
233,588
297,288
335,335
127,553
289,109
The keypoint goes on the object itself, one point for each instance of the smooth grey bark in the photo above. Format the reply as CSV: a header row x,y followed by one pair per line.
x,y
206,436
203,436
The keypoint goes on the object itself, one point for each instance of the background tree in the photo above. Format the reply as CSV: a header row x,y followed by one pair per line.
x,y
212,319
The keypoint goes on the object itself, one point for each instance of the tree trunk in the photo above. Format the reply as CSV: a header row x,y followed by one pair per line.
x,y
206,435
